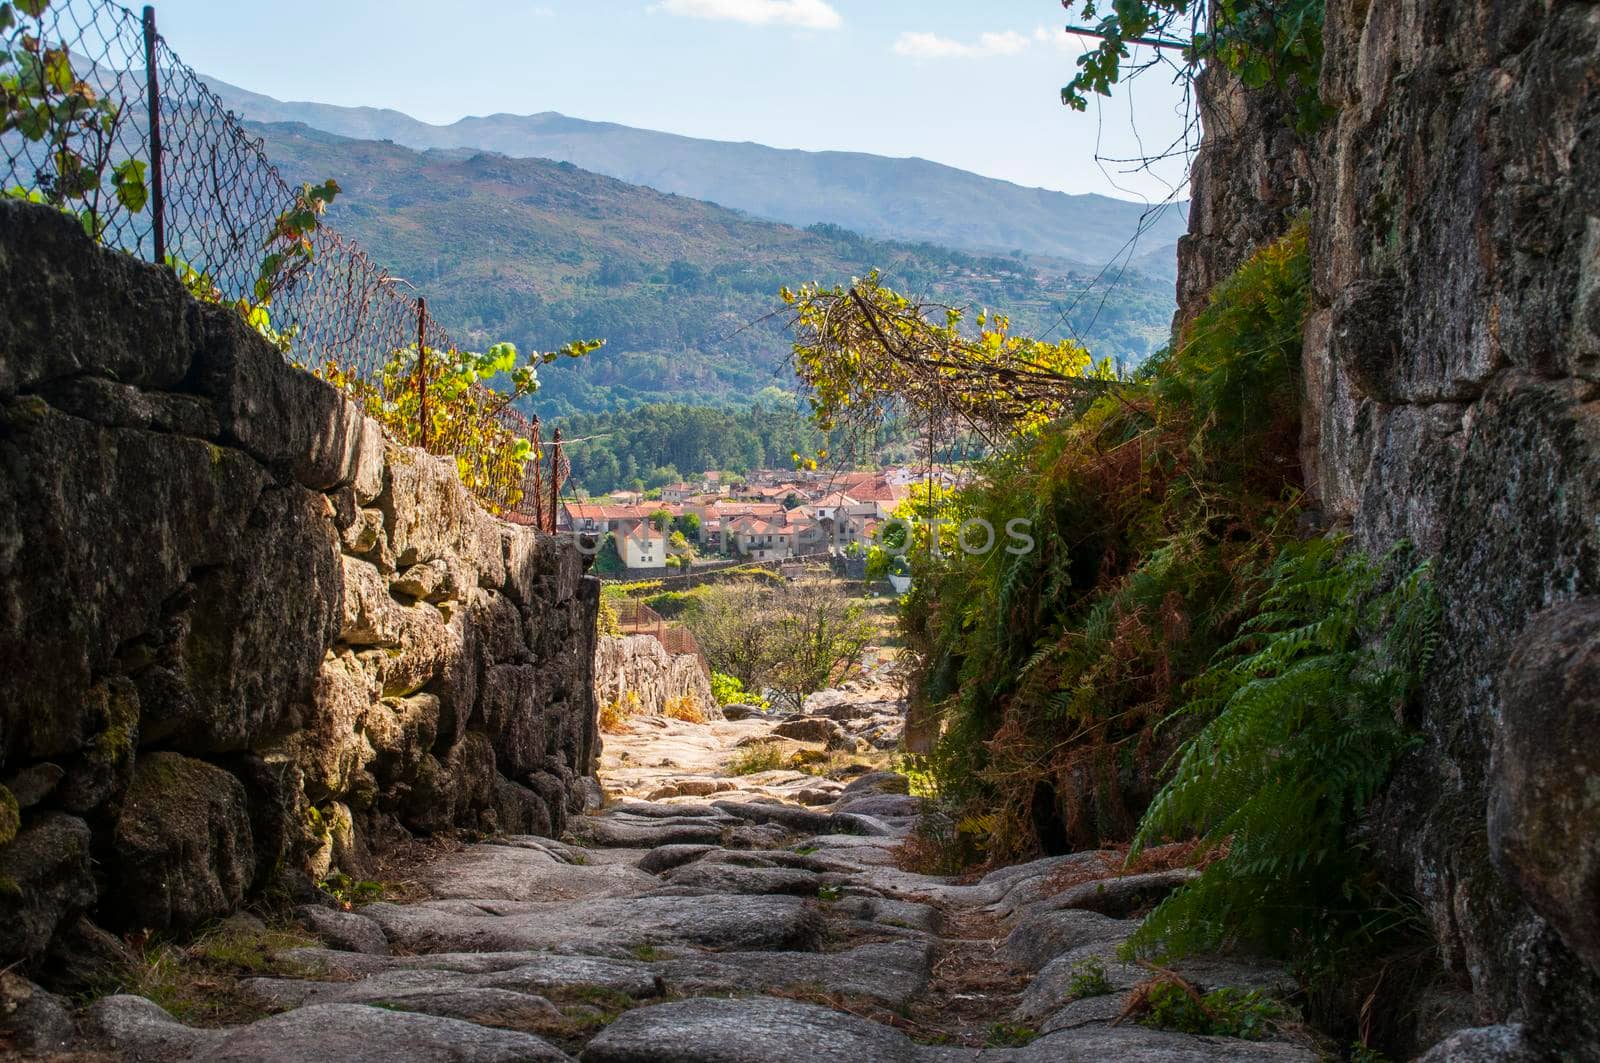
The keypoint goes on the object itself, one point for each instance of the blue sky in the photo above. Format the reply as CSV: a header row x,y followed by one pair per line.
x,y
972,83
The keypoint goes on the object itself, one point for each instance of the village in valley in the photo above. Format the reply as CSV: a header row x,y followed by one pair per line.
x,y
767,515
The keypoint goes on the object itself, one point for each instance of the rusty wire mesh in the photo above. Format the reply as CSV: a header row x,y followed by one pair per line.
x,y
339,315
636,618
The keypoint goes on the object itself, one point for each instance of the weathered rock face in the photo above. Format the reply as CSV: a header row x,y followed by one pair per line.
x,y
182,849
240,634
641,666
1453,401
1454,360
1452,369
1544,816
1249,180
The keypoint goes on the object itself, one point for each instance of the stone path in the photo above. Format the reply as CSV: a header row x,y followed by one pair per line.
x,y
707,917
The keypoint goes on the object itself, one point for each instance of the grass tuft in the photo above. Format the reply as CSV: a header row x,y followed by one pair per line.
x,y
759,757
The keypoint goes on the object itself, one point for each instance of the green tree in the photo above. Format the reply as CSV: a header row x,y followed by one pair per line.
x,y
795,639
820,634
730,628
662,475
866,353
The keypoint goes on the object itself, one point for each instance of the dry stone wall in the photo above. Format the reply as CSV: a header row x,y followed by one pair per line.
x,y
639,665
244,641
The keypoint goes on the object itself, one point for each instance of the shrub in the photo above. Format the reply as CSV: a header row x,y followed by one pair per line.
x,y
944,843
672,604
795,639
614,714
1089,980
606,622
349,892
443,400
1010,1035
824,764
1152,512
607,561
201,981
728,690
1169,1003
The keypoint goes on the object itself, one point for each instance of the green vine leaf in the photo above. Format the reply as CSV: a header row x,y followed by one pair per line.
x,y
127,177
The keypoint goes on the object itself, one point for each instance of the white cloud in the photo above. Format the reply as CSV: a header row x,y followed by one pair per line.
x,y
933,46
1064,42
806,14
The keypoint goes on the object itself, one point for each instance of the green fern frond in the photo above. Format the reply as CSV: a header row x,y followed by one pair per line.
x,y
1301,736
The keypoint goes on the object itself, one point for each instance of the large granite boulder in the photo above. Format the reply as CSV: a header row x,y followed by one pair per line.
x,y
45,879
183,848
1449,371
1544,820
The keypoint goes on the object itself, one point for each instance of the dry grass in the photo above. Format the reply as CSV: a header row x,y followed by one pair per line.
x,y
970,988
614,715
399,864
198,982
834,765
584,1012
686,708
758,757
925,853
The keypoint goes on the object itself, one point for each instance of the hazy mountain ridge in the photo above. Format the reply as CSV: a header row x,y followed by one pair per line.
x,y
901,199
540,252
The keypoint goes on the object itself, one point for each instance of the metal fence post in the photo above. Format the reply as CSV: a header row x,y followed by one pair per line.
x,y
158,206
533,465
555,478
422,370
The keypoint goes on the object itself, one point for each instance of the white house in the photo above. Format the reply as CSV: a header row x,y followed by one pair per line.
x,y
830,506
641,544
760,539
679,492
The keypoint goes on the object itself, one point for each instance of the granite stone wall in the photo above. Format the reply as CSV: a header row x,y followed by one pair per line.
x,y
244,641
1454,403
639,665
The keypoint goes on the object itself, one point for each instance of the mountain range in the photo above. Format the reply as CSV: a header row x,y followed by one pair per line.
x,y
685,291
906,199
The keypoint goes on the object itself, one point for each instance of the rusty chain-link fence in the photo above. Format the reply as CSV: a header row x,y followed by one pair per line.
x,y
100,118
636,618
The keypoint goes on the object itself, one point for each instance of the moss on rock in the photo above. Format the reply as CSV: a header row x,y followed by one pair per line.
x,y
10,816
183,844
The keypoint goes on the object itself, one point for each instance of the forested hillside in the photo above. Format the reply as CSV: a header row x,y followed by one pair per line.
x,y
902,199
538,252
661,443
